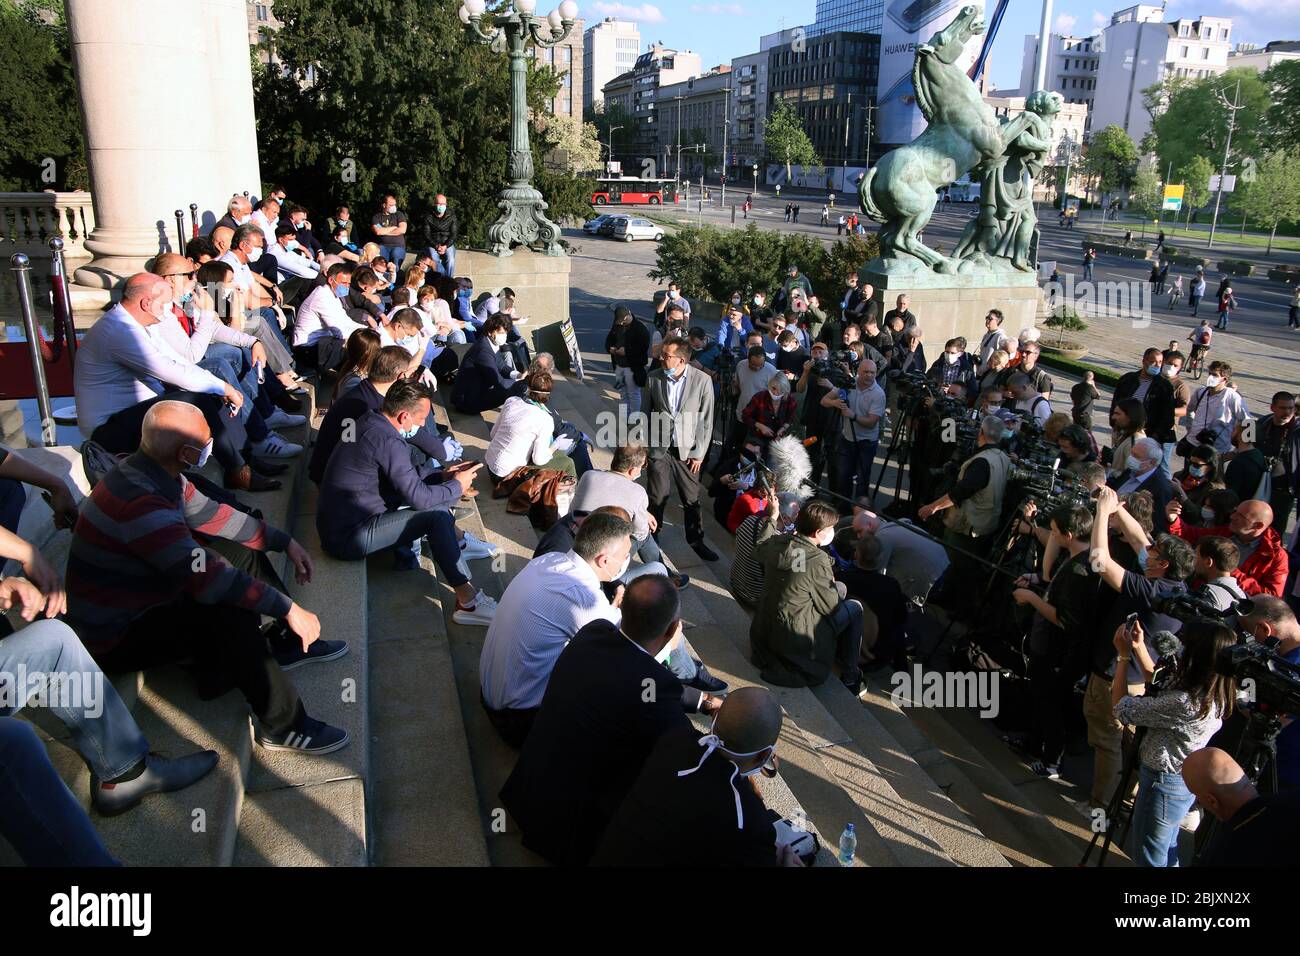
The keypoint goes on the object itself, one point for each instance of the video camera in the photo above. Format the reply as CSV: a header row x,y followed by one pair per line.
x,y
1048,486
835,370
1274,680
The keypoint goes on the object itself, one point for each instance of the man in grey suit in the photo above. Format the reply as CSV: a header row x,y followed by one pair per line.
x,y
681,427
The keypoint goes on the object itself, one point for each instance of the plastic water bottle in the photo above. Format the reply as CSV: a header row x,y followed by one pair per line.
x,y
848,845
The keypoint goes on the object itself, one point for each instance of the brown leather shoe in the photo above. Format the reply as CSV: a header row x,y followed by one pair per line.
x,y
245,479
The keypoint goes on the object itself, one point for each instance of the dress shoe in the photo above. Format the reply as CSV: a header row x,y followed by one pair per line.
x,y
704,551
160,775
265,467
705,681
245,479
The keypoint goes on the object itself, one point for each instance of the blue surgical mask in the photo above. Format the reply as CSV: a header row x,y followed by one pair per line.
x,y
464,293
1142,559
1153,369
409,342
408,433
341,290
186,297
441,208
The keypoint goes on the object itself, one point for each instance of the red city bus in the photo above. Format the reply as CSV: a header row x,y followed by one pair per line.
x,y
630,191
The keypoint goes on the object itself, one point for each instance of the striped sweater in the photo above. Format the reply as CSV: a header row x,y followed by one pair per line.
x,y
134,549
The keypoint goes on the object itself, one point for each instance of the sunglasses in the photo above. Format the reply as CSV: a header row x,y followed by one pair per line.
x,y
188,275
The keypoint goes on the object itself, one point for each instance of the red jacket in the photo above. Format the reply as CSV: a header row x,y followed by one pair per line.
x,y
1264,572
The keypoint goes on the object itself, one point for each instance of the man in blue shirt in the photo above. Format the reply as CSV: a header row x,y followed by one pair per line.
x,y
734,327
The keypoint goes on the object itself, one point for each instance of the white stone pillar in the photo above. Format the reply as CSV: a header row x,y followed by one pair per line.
x,y
230,81
142,78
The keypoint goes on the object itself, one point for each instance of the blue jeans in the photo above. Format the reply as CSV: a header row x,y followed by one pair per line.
x,y
1167,459
648,550
103,730
854,460
401,530
847,621
1162,802
38,813
445,263
1087,272
395,254
253,420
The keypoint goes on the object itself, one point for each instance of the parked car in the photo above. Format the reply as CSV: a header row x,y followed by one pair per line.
x,y
607,227
592,226
632,227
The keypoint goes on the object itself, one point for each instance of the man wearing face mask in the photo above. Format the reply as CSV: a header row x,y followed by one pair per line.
x,y
1264,562
1158,395
674,297
861,411
238,211
1271,617
628,345
441,230
1217,407
480,384
266,218
321,325
819,421
596,726
953,367
735,326
291,260
138,598
261,294
701,786
803,622
1143,474
389,227
1278,437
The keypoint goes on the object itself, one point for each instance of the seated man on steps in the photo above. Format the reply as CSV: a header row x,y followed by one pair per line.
x,y
121,373
59,675
321,325
388,366
372,498
620,486
480,384
543,607
597,724
143,591
559,540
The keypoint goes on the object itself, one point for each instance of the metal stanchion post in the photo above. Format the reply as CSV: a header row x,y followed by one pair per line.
x,y
22,269
180,230
59,279
194,220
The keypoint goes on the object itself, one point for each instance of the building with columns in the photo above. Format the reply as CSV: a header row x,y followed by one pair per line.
x,y
143,168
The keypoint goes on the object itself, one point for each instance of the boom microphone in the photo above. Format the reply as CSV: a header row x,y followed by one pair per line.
x,y
791,466
1166,644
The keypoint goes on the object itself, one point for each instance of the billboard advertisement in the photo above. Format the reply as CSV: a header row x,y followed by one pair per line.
x,y
907,23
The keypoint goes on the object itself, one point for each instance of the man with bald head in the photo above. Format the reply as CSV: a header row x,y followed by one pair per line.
x,y
1264,562
861,411
143,591
693,804
1256,830
121,372
221,237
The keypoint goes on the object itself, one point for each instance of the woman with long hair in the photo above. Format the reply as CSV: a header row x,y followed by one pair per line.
x,y
1128,422
408,287
1177,721
361,348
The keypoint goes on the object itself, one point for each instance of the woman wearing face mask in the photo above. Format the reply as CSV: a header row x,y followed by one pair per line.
x,y
1198,479
770,413
1178,721
480,384
523,435
803,625
1128,421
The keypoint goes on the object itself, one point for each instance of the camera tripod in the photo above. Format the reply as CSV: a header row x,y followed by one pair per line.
x,y
900,448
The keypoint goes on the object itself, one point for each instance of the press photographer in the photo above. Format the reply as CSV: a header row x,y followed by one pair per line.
x,y
861,410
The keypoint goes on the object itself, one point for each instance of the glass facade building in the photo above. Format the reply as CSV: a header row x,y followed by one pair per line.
x,y
853,16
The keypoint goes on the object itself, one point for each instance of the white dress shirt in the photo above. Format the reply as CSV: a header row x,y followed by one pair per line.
x,y
290,264
243,274
268,228
321,314
207,329
521,436
542,609
119,364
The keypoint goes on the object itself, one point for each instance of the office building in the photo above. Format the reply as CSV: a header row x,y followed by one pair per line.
x,y
830,80
609,48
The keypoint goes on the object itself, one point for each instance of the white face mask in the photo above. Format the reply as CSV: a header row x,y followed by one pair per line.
x,y
951,357
622,569
204,454
1169,371
292,244
673,293
790,348
254,254
499,340
1213,381
244,220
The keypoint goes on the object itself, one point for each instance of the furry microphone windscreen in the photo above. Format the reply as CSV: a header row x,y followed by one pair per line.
x,y
1166,644
791,466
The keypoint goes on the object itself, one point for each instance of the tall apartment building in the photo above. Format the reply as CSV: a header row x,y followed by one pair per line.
x,y
608,49
849,16
1137,49
830,80
694,112
637,93
567,59
749,84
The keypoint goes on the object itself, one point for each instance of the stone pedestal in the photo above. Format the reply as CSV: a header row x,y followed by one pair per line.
x,y
541,285
947,306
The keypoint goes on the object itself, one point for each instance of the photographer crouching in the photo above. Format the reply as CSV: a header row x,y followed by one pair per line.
x,y
974,506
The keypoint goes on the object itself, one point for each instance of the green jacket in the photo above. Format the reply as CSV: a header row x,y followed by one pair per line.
x,y
791,639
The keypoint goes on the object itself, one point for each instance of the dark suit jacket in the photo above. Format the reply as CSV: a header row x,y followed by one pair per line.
x,y
353,404
479,384
635,340
606,705
1161,491
1159,403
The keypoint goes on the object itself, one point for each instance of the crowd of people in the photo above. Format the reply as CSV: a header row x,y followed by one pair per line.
x,y
780,417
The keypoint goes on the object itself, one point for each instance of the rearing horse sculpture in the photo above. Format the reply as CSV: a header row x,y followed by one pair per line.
x,y
900,190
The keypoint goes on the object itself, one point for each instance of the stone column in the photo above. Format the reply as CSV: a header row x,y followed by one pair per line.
x,y
230,82
142,78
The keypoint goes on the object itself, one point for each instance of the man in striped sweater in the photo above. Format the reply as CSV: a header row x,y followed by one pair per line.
x,y
143,590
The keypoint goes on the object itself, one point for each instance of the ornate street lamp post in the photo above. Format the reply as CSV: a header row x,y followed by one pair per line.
x,y
523,211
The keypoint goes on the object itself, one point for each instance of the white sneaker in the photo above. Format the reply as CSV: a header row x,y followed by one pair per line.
x,y
462,567
480,614
282,419
472,548
273,446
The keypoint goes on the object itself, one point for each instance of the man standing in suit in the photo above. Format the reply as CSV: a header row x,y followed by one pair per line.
x,y
608,700
1144,474
628,345
681,429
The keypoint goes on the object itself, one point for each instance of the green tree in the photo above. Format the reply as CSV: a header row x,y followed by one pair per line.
x,y
391,95
1195,177
575,143
1146,191
1191,120
785,138
1273,196
1112,159
41,142
1282,122
606,117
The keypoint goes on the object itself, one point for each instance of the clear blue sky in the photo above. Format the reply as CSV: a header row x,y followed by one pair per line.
x,y
721,29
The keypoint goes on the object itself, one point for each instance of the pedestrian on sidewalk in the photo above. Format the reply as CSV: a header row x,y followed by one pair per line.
x,y
1089,257
794,217
839,231
826,215
1293,315
789,208
1161,278
1197,290
1227,302
1175,292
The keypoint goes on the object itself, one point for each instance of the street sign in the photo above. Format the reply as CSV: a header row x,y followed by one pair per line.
x,y
1173,200
1229,183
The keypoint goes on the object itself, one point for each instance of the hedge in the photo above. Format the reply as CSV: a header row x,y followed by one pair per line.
x,y
1236,267
1285,274
1104,376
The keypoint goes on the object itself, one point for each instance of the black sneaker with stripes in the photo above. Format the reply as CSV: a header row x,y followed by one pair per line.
x,y
309,736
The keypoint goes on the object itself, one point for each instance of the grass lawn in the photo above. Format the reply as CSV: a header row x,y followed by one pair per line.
x,y
1223,236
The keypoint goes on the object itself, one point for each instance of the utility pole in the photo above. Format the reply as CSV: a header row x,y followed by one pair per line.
x,y
611,142
1232,108
871,108
1044,42
848,120
726,133
678,171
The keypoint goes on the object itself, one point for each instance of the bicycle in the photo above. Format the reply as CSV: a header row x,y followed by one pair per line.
x,y
1196,361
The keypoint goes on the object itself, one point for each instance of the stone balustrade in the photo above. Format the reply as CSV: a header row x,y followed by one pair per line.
x,y
28,221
